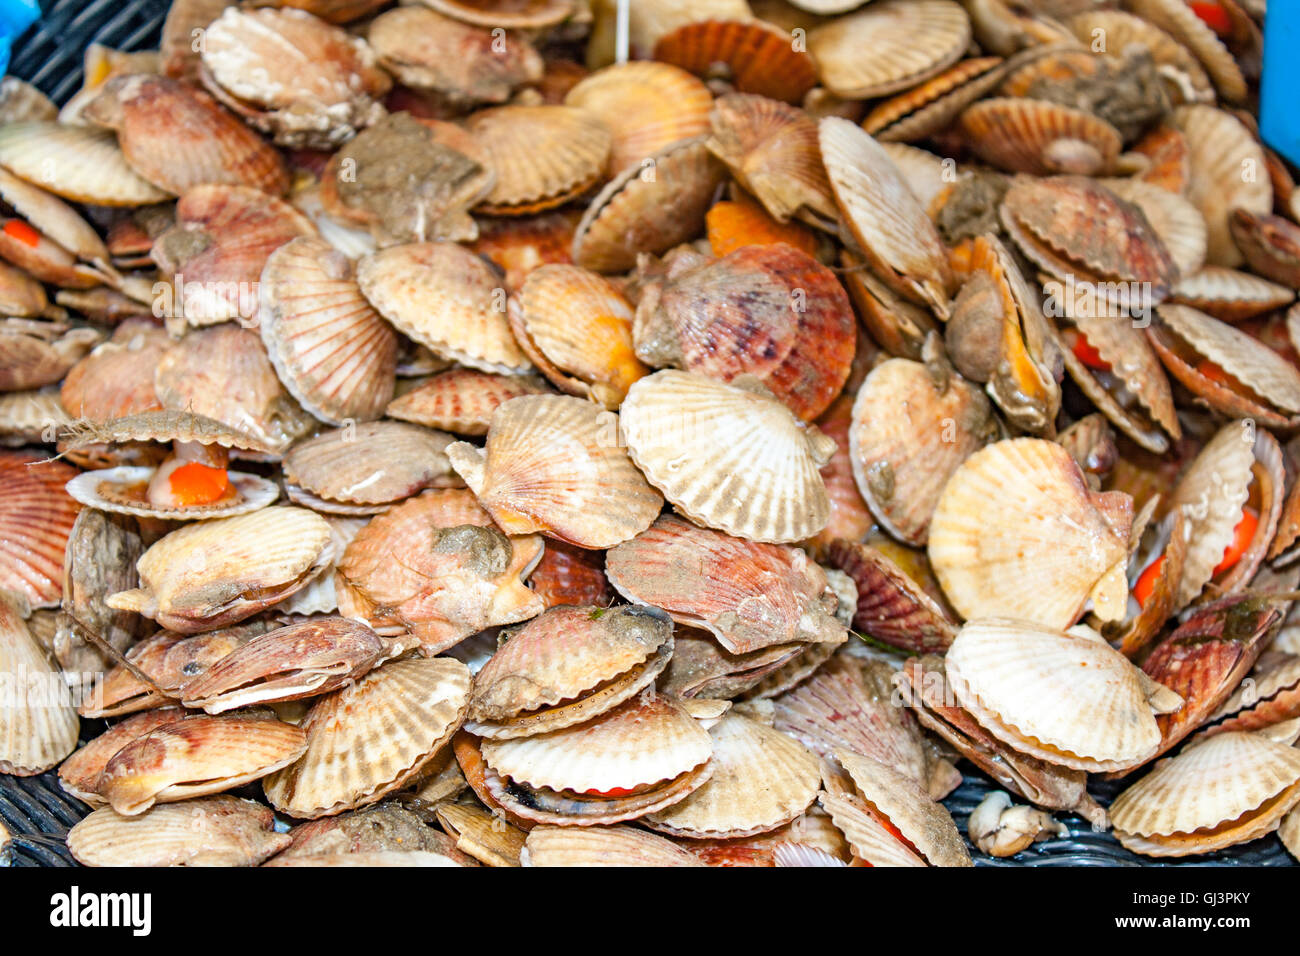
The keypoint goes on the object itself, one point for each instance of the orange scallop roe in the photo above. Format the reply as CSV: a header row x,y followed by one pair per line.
x,y
195,483
734,224
17,229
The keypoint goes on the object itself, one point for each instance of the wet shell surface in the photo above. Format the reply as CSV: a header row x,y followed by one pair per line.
x,y
762,779
373,463
36,519
461,400
334,353
749,595
1014,678
446,298
729,456
1018,533
1231,788
370,738
553,465
222,571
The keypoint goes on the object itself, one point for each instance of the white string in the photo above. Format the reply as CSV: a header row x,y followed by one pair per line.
x,y
621,32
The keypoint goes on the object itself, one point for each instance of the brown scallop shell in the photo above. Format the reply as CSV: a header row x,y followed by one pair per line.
x,y
850,518
1040,137
513,141
647,106
519,245
36,519
117,378
930,107
752,55
1271,245
1228,294
197,756
768,311
649,207
772,150
446,298
178,138
436,566
701,668
373,463
372,737
892,606
461,400
568,574
79,774
334,353
749,595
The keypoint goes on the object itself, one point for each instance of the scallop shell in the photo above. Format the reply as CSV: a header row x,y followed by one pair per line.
x,y
552,465
648,208
218,572
79,774
910,42
748,595
640,743
1270,696
1183,73
902,459
124,490
28,416
235,833
36,519
850,518
223,373
1176,221
1229,789
571,575
40,725
922,822
870,841
519,245
1063,696
197,756
177,137
1182,23
1040,137
116,379
601,846
76,162
773,151
762,779
754,56
461,400
891,606
577,328
161,426
646,105
728,456
574,143
436,566
849,707
735,223
563,657
517,14
331,349
1018,532
369,739
702,668
930,107
1271,245
1221,147
373,463
446,298
883,216
768,311
1228,294
482,834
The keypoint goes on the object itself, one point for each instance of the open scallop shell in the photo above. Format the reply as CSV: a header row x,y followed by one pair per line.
x,y
772,150
39,729
571,575
884,217
601,846
236,832
177,137
461,400
80,163
891,606
650,207
752,55
910,42
436,566
577,328
1065,697
749,595
331,349
446,298
1221,148
222,571
902,447
79,774
1040,137
373,463
552,465
36,519
1230,295
514,141
762,779
702,668
161,426
369,739
930,107
124,490
1017,532
646,105
728,455
562,658
197,756
1229,789
768,311
871,841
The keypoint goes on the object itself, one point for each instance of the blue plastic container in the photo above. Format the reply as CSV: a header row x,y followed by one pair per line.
x,y
1279,96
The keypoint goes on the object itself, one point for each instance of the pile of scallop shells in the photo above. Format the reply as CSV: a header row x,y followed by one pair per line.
x,y
432,442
